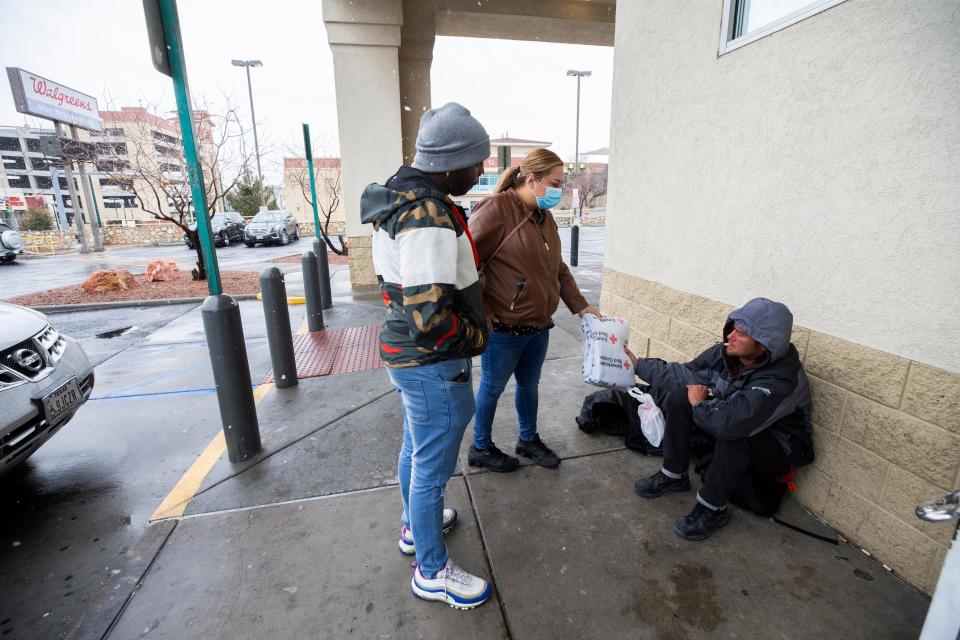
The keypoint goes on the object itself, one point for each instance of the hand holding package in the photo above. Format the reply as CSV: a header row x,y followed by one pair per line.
x,y
605,364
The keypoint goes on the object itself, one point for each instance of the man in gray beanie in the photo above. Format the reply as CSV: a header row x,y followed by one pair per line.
x,y
426,265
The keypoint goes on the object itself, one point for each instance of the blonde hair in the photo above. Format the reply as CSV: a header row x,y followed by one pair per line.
x,y
537,163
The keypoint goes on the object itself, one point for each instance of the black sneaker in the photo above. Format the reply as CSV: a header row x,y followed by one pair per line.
x,y
701,522
658,484
538,452
491,458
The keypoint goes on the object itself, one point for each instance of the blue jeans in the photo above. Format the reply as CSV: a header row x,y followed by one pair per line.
x,y
436,411
506,355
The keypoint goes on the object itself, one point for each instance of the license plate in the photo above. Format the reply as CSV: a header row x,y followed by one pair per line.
x,y
259,237
60,402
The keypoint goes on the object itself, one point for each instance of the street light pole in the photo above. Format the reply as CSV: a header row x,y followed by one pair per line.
x,y
253,114
575,225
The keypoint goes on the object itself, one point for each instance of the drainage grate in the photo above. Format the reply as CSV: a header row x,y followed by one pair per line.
x,y
336,351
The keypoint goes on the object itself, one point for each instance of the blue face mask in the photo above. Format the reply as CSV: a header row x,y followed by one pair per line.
x,y
550,198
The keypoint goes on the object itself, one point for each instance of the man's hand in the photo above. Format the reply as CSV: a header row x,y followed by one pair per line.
x,y
696,393
633,358
589,309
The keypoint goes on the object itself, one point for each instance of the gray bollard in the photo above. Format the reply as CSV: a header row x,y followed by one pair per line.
x,y
574,243
231,374
312,290
323,269
277,318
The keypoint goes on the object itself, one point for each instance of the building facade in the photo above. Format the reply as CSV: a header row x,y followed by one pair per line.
x,y
812,161
296,191
131,135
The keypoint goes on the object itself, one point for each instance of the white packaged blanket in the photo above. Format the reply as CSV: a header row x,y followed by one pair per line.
x,y
605,364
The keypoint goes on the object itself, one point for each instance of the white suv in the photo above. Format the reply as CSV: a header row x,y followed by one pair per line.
x,y
11,245
44,378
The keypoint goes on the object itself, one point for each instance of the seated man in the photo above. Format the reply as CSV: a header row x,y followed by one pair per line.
x,y
749,394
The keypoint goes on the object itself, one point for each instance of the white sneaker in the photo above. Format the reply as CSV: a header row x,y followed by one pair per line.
x,y
452,585
406,545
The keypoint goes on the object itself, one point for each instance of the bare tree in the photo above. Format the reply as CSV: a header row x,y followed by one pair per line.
x,y
152,166
590,185
328,177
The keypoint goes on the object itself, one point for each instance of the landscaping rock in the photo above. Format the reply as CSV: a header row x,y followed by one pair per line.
x,y
162,269
109,280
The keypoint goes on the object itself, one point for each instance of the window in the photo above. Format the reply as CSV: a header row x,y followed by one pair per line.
x,y
43,164
113,132
126,185
15,163
111,148
18,182
44,182
747,20
33,144
486,184
9,144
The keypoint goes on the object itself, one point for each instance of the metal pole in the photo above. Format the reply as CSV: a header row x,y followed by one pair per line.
x,y
221,313
87,195
277,318
62,221
96,207
574,225
253,116
178,71
74,200
231,374
312,291
319,245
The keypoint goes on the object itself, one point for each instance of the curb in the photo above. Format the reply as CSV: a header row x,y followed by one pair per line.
x,y
123,304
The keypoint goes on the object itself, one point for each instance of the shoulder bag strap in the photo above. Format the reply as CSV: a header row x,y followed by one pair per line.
x,y
505,240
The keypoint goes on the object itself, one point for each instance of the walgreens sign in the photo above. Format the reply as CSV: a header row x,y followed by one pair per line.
x,y
37,96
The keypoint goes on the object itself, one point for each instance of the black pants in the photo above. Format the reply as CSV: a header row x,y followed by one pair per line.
x,y
760,455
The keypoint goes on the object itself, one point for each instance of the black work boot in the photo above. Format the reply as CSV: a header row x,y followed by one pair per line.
x,y
701,522
658,484
491,458
538,452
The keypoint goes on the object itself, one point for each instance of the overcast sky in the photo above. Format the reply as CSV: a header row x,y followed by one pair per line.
x,y
100,47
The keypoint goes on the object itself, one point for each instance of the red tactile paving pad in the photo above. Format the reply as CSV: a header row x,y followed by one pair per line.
x,y
336,351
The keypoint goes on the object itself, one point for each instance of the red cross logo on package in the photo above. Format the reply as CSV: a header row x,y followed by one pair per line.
x,y
626,365
613,339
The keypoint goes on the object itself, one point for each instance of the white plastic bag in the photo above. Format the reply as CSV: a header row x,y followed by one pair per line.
x,y
605,364
652,422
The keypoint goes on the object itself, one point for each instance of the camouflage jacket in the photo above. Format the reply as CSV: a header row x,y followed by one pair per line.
x,y
426,265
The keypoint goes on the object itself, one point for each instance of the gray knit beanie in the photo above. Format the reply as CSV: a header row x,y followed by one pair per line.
x,y
450,139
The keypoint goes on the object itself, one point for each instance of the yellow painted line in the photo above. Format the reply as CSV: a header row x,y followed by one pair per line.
x,y
186,488
174,505
290,299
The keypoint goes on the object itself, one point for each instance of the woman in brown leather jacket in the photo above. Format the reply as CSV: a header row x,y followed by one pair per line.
x,y
524,278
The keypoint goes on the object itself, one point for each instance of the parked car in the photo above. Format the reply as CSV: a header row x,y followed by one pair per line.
x,y
45,377
10,243
226,228
271,227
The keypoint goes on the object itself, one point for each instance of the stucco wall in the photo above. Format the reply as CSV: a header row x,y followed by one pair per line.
x,y
818,166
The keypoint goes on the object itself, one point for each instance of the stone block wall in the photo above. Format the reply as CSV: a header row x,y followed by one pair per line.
x,y
144,233
48,243
886,429
360,251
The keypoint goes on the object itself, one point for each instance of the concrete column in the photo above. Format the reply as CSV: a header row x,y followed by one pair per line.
x,y
364,37
416,57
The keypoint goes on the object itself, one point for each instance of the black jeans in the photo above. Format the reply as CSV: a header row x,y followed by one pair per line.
x,y
760,455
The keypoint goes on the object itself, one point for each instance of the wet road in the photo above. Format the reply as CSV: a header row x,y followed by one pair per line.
x,y
28,275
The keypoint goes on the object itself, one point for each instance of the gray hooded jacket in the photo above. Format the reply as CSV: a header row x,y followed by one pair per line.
x,y
745,402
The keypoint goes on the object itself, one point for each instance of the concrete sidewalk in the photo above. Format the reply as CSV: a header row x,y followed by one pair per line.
x,y
301,542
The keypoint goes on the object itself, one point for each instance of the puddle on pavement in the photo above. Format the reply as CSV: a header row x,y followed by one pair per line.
x,y
113,333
